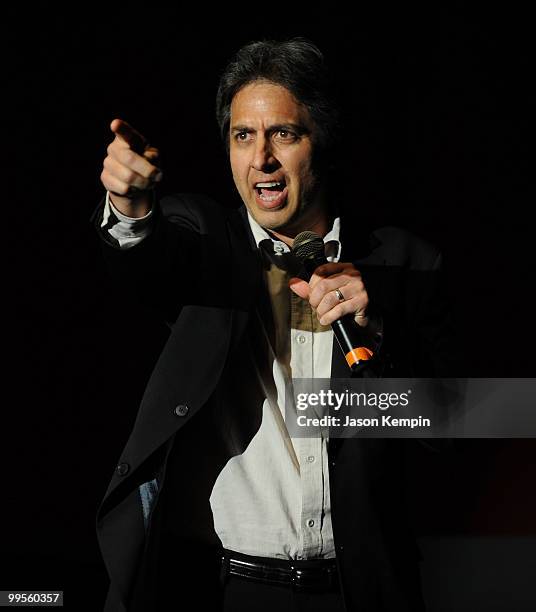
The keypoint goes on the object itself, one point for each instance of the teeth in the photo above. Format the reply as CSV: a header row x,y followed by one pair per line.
x,y
269,198
272,184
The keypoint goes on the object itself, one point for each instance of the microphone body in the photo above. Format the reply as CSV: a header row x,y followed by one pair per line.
x,y
309,250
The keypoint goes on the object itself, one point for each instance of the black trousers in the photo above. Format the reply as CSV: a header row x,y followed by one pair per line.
x,y
242,595
198,576
245,594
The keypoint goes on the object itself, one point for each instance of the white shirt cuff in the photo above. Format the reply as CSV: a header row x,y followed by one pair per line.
x,y
128,231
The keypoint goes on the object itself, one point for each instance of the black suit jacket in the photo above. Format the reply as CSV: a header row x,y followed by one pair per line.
x,y
154,524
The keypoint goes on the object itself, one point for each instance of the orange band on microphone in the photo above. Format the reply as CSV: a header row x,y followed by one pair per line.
x,y
358,354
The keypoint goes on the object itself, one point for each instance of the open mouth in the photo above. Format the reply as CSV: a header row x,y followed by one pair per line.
x,y
271,194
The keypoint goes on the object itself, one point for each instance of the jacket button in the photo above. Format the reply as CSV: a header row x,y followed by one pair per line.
x,y
122,469
181,410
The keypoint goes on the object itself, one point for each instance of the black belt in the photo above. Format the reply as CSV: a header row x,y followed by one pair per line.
x,y
313,574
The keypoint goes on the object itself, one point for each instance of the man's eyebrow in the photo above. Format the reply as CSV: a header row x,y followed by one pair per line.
x,y
241,128
294,127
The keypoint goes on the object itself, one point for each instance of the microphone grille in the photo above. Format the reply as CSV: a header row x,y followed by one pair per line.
x,y
308,245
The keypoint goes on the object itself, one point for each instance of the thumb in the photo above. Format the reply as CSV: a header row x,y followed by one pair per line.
x,y
300,287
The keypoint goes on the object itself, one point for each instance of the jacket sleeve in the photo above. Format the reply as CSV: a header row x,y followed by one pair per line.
x,y
163,270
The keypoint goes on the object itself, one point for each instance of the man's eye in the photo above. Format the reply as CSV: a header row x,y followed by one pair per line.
x,y
242,136
285,135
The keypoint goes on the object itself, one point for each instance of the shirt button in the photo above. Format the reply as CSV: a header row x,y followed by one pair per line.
x,y
278,248
310,458
181,410
310,523
301,339
122,469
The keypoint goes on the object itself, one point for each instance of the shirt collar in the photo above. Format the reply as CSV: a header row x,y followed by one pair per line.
x,y
331,239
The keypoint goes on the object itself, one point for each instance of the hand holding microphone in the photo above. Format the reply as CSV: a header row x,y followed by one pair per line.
x,y
337,292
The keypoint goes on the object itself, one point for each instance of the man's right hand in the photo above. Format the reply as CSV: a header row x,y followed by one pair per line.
x,y
130,170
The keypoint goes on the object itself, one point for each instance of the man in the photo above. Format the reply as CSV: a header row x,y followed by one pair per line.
x,y
212,499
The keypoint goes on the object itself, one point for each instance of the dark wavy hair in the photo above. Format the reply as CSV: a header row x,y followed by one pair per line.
x,y
299,66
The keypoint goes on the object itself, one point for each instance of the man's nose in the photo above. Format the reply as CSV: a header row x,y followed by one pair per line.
x,y
263,156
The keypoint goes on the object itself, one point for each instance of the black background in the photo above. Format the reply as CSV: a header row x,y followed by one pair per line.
x,y
437,107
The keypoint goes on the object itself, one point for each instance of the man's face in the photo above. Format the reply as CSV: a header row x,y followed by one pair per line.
x,y
271,150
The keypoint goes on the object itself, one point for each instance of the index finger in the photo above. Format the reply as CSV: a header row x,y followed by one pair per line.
x,y
327,269
131,136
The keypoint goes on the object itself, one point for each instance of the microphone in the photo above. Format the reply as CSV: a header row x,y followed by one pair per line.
x,y
308,248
